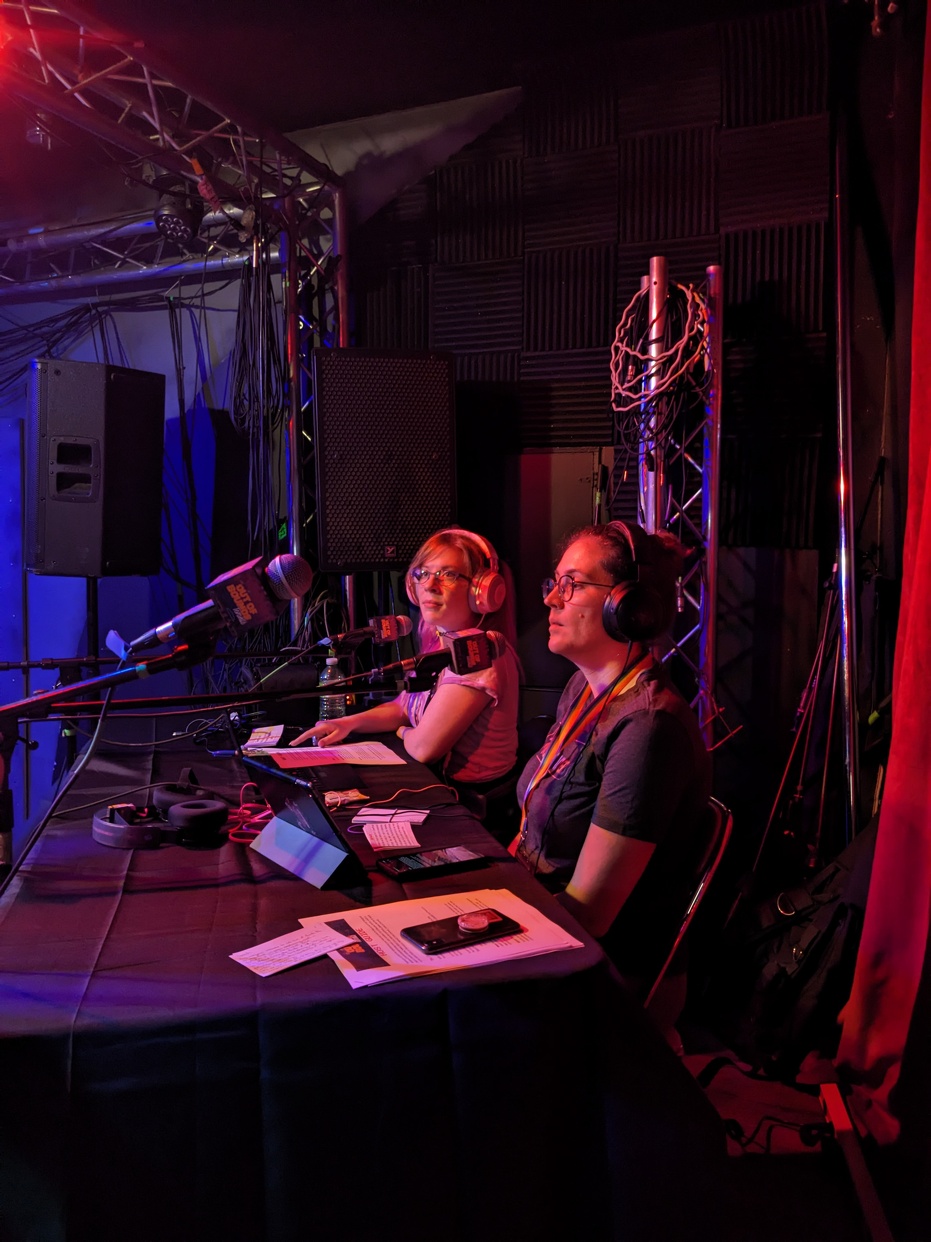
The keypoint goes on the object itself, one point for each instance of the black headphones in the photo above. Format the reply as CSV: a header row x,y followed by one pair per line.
x,y
183,812
634,610
487,590
126,827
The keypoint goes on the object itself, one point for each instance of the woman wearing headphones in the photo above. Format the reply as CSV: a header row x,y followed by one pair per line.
x,y
611,803
467,723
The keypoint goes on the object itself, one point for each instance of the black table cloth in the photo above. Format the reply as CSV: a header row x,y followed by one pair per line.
x,y
155,1089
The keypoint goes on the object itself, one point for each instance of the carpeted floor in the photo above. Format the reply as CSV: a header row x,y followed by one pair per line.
x,y
787,1185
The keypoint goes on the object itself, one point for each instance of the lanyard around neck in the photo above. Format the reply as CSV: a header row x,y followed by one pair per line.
x,y
584,712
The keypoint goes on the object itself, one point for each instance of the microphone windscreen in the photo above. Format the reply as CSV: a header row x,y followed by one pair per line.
x,y
289,576
471,650
388,629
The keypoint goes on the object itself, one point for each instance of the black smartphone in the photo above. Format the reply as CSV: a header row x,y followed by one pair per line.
x,y
471,927
430,862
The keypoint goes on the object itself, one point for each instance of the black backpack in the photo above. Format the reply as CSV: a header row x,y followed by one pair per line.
x,y
793,965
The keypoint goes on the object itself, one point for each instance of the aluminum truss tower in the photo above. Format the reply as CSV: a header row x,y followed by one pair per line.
x,y
678,473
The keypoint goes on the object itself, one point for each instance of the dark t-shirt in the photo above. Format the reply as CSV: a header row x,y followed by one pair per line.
x,y
641,771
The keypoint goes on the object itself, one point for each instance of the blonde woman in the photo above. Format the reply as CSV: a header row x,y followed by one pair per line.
x,y
467,723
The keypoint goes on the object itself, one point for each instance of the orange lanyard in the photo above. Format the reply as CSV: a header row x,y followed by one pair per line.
x,y
584,712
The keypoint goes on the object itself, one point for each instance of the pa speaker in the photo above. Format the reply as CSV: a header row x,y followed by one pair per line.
x,y
384,446
94,443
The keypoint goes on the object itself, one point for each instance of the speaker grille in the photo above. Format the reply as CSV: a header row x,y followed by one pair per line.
x,y
384,455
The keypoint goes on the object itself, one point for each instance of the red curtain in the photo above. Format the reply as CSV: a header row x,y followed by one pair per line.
x,y
888,978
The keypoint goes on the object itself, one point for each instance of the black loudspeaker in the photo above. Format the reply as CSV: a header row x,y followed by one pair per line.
x,y
384,445
94,444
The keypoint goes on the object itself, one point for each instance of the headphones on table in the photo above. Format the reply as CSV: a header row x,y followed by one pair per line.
x,y
487,589
183,812
126,827
634,610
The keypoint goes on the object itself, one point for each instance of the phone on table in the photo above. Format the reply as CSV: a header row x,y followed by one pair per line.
x,y
430,862
471,927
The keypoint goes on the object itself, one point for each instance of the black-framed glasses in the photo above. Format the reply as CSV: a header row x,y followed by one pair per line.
x,y
565,586
447,577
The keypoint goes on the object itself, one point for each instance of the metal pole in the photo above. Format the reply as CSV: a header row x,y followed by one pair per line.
x,y
846,526
652,471
292,325
340,241
340,247
711,463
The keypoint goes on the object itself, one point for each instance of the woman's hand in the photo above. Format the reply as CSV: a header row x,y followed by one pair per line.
x,y
327,732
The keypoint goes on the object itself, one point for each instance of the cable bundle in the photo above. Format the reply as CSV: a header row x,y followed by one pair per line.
x,y
258,382
647,393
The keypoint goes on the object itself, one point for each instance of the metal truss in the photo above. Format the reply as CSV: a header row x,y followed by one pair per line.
x,y
69,72
317,316
687,509
678,477
263,198
119,252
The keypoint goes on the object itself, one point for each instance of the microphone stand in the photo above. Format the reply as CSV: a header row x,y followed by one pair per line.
x,y
414,674
40,706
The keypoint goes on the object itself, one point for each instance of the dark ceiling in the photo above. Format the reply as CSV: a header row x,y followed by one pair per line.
x,y
299,63
296,64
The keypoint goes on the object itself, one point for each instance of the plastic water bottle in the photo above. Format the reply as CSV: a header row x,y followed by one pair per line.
x,y
331,705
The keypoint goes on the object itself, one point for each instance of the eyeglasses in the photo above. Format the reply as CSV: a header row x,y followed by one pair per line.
x,y
446,577
566,584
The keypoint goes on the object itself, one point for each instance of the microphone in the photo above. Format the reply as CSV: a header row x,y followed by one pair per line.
x,y
465,651
240,600
379,629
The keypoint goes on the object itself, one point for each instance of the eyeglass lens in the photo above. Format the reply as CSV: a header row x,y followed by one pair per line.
x,y
449,576
564,585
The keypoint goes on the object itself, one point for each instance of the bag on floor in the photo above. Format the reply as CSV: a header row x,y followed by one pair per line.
x,y
799,950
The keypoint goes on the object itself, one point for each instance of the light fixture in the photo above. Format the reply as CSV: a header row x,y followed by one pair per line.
x,y
177,216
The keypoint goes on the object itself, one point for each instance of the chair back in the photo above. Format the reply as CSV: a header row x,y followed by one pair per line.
x,y
720,823
497,807
531,734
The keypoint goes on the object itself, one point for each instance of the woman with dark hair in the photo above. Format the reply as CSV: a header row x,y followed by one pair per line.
x,y
467,723
611,804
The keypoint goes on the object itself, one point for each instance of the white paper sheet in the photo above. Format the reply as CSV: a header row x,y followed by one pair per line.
x,y
290,949
394,834
385,814
382,954
366,753
267,735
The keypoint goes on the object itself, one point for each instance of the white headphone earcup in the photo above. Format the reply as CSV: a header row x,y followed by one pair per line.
x,y
487,592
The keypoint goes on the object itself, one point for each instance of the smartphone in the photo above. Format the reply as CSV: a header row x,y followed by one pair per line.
x,y
471,927
430,862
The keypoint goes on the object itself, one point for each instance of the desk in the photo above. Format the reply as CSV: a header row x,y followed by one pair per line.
x,y
154,1089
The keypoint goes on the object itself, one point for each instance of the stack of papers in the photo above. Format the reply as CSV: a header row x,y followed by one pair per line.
x,y
379,953
367,945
